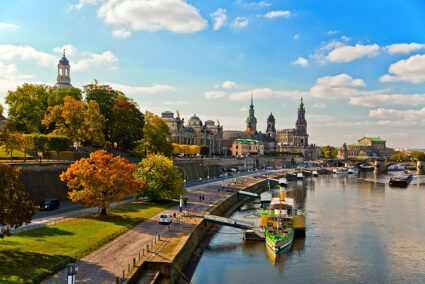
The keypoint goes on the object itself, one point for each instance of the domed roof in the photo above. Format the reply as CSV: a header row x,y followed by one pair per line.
x,y
195,121
271,117
63,60
251,119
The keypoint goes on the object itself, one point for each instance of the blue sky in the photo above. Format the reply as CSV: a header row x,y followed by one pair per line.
x,y
360,65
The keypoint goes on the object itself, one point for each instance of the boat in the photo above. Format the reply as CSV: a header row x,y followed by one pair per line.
x,y
366,167
281,221
300,176
402,180
352,171
342,171
315,173
396,168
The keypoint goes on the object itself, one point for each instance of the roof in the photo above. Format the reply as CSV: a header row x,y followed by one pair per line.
x,y
374,139
287,201
248,141
2,117
356,144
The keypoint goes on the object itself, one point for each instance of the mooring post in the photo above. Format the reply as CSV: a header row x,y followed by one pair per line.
x,y
147,248
134,262
117,280
143,252
123,274
139,256
159,237
129,268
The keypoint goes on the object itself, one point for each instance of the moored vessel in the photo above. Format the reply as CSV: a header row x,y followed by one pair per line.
x,y
403,180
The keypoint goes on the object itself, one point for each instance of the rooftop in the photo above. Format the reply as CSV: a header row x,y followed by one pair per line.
x,y
248,141
374,139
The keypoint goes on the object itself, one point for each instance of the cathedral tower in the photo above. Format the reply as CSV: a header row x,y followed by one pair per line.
x,y
251,121
271,129
63,80
301,126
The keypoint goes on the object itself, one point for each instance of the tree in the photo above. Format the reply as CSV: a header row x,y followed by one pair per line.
x,y
156,137
162,179
1,109
11,141
127,123
418,155
329,152
398,156
27,145
58,144
76,120
57,97
101,180
27,107
41,144
204,150
177,149
15,207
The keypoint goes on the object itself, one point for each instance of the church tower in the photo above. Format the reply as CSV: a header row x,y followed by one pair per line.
x,y
301,126
63,80
251,121
271,129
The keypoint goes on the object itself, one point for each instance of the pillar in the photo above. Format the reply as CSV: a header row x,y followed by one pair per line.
x,y
420,167
380,167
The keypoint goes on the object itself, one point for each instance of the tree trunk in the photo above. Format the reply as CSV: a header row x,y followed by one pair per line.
x,y
103,211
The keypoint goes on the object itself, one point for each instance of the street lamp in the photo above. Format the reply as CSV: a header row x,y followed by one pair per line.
x,y
207,170
72,270
184,173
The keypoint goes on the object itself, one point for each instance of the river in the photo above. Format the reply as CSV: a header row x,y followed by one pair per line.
x,y
359,230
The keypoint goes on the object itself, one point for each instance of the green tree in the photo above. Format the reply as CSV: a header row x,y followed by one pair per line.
x,y
56,97
127,123
418,155
41,144
398,156
58,144
15,207
204,150
11,142
1,109
329,152
27,145
162,179
156,136
27,107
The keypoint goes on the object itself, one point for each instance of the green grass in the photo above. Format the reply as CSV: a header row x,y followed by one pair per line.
x,y
15,154
26,254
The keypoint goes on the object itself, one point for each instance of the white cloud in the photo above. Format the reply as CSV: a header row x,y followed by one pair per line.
x,y
345,38
239,23
388,99
69,50
332,32
147,15
4,26
259,4
411,70
319,106
341,80
82,3
243,109
262,93
275,14
319,117
408,115
300,61
121,33
296,36
135,90
219,17
9,52
94,59
214,94
230,85
405,48
349,53
179,103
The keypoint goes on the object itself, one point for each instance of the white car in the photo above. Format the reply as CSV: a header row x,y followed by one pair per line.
x,y
165,218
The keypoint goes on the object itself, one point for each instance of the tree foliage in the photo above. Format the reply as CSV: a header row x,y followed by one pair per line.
x,y
162,179
418,155
204,150
57,97
101,180
1,109
398,156
76,120
186,149
15,207
41,143
27,107
156,137
27,144
329,152
11,141
58,144
127,123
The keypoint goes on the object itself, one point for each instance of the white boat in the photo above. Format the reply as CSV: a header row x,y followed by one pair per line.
x,y
342,171
315,173
334,171
300,176
366,167
352,171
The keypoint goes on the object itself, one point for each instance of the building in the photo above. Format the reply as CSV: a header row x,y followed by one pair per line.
x,y
63,80
3,121
195,132
296,137
246,147
251,121
366,147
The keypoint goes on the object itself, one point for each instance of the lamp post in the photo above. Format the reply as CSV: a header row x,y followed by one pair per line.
x,y
184,174
208,177
72,270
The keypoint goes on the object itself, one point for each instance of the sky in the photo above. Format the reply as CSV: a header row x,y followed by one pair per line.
x,y
359,65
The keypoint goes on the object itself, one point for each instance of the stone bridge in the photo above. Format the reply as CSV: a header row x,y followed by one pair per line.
x,y
381,166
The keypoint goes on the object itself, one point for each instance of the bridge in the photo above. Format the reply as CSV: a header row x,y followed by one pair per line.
x,y
235,223
380,165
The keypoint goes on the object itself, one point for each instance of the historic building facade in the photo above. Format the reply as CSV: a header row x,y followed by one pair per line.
x,y
63,79
366,147
297,136
246,147
195,132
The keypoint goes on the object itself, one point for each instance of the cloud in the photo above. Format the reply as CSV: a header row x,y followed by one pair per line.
x,y
341,80
94,59
145,15
259,4
300,61
332,32
214,94
296,36
349,53
408,115
275,14
262,93
239,23
26,52
243,109
229,85
219,17
319,106
69,49
178,103
82,3
404,48
135,90
4,26
410,70
388,99
121,33
319,117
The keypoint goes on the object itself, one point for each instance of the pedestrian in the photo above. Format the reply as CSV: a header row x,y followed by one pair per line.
x,y
185,202
203,197
200,198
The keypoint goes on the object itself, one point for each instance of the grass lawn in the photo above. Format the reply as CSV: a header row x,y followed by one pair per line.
x,y
26,254
15,154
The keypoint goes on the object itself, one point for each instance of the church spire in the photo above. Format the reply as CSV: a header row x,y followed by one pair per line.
x,y
252,100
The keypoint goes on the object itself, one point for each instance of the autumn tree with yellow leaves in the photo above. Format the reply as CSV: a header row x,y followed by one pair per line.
x,y
101,180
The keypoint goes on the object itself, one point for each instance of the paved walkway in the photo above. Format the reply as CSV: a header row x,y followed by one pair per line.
x,y
108,262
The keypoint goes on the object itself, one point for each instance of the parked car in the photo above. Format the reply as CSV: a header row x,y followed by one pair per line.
x,y
165,218
50,204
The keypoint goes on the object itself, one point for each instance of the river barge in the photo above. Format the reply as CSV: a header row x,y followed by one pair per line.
x,y
403,180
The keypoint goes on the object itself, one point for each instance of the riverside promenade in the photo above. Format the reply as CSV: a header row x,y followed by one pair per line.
x,y
114,259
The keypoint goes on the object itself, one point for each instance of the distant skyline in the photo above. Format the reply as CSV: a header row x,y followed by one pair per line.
x,y
359,65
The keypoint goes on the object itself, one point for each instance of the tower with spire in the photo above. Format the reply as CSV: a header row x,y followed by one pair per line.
x,y
63,79
301,126
251,121
271,126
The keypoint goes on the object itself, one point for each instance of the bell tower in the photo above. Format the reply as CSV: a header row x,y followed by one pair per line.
x,y
63,79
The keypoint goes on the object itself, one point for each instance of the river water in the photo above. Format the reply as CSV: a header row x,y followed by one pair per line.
x,y
359,230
